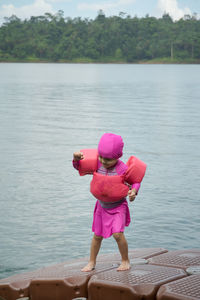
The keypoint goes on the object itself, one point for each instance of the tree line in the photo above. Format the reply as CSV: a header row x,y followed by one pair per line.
x,y
119,38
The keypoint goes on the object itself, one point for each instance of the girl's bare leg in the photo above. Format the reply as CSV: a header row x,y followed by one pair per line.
x,y
123,249
94,250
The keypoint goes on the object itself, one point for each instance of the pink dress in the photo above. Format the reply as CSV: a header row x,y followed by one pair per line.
x,y
109,221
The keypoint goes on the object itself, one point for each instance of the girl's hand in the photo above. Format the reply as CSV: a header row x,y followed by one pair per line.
x,y
78,156
132,194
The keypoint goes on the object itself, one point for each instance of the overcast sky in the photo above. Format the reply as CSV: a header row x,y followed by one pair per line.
x,y
89,8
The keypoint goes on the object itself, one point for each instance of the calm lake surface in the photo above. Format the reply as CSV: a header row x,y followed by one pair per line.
x,y
48,111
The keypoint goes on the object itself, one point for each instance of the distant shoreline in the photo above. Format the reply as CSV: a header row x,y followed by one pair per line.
x,y
85,61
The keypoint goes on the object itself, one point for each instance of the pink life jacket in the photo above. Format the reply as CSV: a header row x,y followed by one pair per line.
x,y
110,188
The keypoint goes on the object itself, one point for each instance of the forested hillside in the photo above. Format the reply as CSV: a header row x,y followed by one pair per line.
x,y
105,39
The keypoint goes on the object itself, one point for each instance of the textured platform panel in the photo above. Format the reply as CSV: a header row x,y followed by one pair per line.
x,y
63,281
178,259
135,253
16,286
140,282
183,289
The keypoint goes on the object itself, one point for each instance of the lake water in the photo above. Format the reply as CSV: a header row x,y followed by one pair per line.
x,y
48,111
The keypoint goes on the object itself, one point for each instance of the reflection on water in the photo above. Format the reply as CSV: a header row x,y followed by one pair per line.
x,y
47,111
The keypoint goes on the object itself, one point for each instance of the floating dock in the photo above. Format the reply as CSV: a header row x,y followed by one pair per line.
x,y
155,274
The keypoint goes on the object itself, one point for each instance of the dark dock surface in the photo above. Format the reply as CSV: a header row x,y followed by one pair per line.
x,y
155,273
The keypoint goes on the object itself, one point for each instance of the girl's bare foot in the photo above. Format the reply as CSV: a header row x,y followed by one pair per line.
x,y
89,267
125,265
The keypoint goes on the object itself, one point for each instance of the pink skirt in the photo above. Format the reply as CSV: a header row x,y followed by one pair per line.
x,y
109,221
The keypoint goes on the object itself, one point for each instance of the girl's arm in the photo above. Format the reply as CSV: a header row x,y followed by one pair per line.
x,y
75,164
134,191
77,156
136,186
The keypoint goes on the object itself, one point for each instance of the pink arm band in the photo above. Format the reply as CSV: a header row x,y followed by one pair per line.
x,y
121,169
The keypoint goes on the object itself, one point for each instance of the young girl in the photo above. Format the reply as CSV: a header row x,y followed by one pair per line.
x,y
110,218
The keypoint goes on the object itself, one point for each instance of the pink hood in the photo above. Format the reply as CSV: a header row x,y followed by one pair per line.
x,y
111,146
